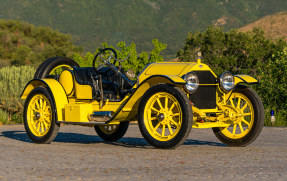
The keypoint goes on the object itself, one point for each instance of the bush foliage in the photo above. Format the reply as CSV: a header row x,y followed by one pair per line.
x,y
24,44
135,61
12,82
245,53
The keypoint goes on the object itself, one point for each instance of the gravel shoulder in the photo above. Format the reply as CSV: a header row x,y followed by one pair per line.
x,y
79,154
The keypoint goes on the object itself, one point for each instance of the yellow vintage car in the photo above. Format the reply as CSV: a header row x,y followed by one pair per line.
x,y
167,99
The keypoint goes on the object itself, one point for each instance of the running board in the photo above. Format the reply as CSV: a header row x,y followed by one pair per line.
x,y
82,123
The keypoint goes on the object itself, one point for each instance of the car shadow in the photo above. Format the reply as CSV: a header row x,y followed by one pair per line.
x,y
92,139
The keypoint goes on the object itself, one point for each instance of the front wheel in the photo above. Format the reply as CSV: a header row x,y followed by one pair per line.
x,y
112,132
246,118
165,116
40,117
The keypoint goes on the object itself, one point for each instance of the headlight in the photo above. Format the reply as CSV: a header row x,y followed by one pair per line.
x,y
226,81
191,82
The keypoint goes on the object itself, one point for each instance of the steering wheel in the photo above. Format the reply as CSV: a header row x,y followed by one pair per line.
x,y
106,61
104,58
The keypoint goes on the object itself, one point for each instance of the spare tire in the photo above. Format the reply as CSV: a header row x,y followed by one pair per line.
x,y
52,67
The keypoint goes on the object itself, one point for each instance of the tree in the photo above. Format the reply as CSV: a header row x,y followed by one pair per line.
x,y
135,61
273,88
238,52
24,44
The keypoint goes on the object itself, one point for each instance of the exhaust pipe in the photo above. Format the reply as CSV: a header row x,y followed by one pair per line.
x,y
100,116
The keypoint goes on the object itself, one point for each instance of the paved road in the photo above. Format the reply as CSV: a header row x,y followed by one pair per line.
x,y
78,154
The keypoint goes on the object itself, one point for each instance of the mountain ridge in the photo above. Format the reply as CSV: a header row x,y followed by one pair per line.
x,y
274,26
93,22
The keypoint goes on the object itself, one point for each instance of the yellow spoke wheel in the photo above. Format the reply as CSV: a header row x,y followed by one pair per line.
x,y
112,132
246,118
242,116
165,116
39,116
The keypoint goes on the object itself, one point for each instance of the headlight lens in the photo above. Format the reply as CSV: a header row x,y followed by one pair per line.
x,y
191,82
227,81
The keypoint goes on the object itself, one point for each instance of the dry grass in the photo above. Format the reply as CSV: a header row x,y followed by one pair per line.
x,y
275,26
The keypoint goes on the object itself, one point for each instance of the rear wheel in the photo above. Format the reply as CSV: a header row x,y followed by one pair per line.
x,y
112,132
53,67
165,116
246,115
40,117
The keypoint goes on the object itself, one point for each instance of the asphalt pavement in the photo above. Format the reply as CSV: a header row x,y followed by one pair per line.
x,y
78,153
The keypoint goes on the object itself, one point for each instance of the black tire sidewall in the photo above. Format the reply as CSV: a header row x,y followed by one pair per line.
x,y
54,126
258,120
118,134
42,66
187,116
47,66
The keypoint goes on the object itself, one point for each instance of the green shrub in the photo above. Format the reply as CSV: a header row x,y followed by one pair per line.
x,y
3,117
272,87
238,52
25,44
135,61
12,82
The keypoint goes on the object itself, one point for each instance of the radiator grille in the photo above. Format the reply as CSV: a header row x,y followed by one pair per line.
x,y
205,77
205,96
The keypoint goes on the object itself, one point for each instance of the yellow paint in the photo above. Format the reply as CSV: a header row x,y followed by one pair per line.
x,y
56,89
83,91
198,60
240,114
166,68
133,102
78,112
162,111
172,69
66,79
209,125
244,79
39,115
60,68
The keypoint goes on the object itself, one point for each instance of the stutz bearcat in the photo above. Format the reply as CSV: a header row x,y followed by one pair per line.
x,y
167,100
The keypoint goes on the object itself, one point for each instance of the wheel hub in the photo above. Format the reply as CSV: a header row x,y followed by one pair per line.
x,y
38,115
232,113
161,116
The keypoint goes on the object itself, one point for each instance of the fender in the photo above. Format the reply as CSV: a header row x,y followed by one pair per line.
x,y
129,108
56,90
247,79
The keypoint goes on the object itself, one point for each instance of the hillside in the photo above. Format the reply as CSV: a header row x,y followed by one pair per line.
x,y
24,44
92,22
274,26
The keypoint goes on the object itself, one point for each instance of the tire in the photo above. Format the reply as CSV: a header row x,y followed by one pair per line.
x,y
112,133
45,68
170,121
41,126
244,129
